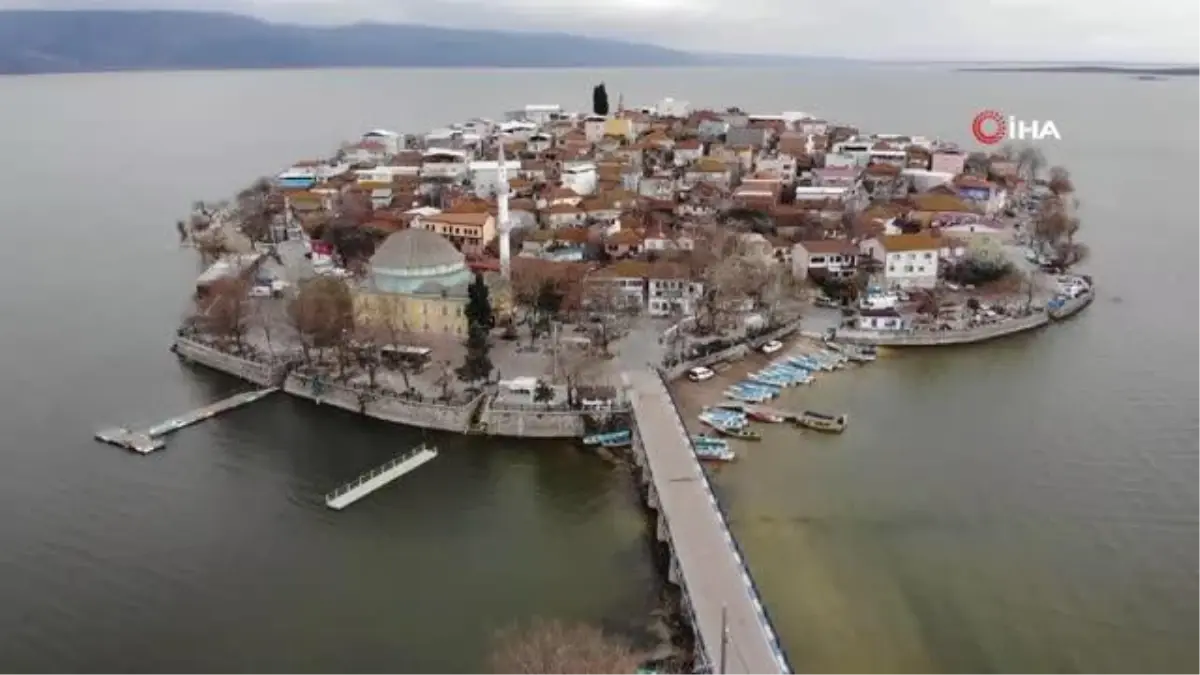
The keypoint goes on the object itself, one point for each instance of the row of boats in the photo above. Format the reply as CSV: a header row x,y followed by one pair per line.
x,y
706,447
794,370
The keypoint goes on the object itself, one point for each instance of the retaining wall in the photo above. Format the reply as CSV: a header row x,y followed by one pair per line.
x,y
260,373
383,406
525,423
926,338
735,352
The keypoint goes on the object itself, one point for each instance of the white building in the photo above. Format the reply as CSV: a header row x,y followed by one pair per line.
x,y
485,175
580,177
879,319
835,258
670,291
909,260
669,107
390,140
444,163
541,113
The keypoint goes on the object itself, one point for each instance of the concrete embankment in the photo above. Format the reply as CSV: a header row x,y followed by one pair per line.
x,y
732,353
492,419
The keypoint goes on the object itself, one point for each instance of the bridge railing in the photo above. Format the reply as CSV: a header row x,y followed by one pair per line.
x,y
723,518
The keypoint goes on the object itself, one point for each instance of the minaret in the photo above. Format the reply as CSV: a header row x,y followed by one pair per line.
x,y
502,214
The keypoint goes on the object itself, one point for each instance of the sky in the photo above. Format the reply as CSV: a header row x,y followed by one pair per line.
x,y
1151,31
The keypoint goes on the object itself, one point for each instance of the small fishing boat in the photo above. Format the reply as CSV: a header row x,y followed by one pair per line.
x,y
723,419
715,453
622,436
747,396
617,442
709,441
773,379
764,416
739,432
822,422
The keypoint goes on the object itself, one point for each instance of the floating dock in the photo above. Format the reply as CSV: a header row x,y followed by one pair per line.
x,y
146,441
376,478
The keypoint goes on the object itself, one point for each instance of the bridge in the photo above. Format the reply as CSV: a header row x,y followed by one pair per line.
x,y
732,629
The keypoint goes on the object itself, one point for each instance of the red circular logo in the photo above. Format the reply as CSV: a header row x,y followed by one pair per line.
x,y
989,127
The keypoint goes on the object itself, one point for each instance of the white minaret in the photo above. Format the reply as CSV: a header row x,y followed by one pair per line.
x,y
502,212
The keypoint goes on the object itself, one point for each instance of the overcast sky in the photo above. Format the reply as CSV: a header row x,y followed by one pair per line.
x,y
1098,30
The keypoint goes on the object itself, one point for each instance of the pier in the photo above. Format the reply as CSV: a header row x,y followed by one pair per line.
x,y
378,477
732,629
146,441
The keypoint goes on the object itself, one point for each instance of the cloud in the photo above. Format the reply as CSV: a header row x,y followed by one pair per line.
x,y
1095,30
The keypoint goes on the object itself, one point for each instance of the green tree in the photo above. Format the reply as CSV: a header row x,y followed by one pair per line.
x,y
600,100
478,364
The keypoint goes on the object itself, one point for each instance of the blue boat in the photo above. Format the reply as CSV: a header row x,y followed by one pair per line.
x,y
769,378
621,437
721,419
759,386
709,441
715,453
747,395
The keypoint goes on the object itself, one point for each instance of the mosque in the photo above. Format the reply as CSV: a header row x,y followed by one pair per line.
x,y
417,283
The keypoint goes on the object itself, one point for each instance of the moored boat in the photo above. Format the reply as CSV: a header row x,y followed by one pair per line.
x,y
764,416
739,432
822,422
622,436
715,453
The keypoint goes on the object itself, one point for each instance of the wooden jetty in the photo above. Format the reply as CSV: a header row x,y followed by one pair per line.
x,y
378,477
146,441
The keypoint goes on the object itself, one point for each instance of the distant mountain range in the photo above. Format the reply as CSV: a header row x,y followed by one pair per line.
x,y
33,41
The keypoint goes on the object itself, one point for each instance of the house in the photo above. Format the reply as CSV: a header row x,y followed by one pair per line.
x,y
539,141
906,260
621,127
620,286
971,228
712,128
444,163
660,241
365,152
835,177
688,150
469,232
988,196
948,160
485,175
593,128
624,243
708,170
748,136
886,318
669,107
600,209
831,258
670,290
391,141
580,177
782,165
559,195
563,215
658,186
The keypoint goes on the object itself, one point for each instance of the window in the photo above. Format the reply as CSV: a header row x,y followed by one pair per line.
x,y
928,256
816,259
908,268
921,269
444,310
891,268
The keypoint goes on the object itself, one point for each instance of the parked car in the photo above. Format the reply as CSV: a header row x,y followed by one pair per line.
x,y
771,347
700,374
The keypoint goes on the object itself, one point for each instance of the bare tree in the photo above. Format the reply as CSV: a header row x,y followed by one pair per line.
x,y
391,316
323,315
211,246
1060,181
577,366
556,647
1030,162
445,379
225,308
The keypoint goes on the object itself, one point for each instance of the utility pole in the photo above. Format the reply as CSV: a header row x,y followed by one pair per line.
x,y
724,639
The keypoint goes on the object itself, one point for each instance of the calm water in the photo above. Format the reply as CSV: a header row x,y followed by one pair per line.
x,y
1029,505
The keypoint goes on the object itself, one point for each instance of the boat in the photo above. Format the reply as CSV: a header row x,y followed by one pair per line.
x,y
747,396
710,441
773,379
764,416
715,453
822,422
618,442
604,438
720,418
739,432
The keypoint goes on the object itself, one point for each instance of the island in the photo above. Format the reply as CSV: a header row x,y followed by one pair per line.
x,y
644,279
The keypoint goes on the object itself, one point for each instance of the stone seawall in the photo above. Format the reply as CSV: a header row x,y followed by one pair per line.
x,y
735,352
532,423
383,406
941,338
262,374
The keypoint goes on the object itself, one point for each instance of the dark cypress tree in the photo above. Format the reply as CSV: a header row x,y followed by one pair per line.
x,y
600,100
478,364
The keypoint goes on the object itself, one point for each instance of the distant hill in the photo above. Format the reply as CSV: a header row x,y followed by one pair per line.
x,y
1178,71
33,41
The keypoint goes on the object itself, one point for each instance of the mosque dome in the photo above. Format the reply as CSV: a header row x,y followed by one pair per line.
x,y
417,260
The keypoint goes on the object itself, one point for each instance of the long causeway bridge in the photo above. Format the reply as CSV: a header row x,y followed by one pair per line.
x,y
733,631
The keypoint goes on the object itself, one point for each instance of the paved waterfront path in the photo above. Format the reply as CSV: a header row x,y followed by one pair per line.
x,y
713,573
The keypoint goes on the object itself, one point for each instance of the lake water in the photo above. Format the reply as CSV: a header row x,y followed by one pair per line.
x,y
1028,505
